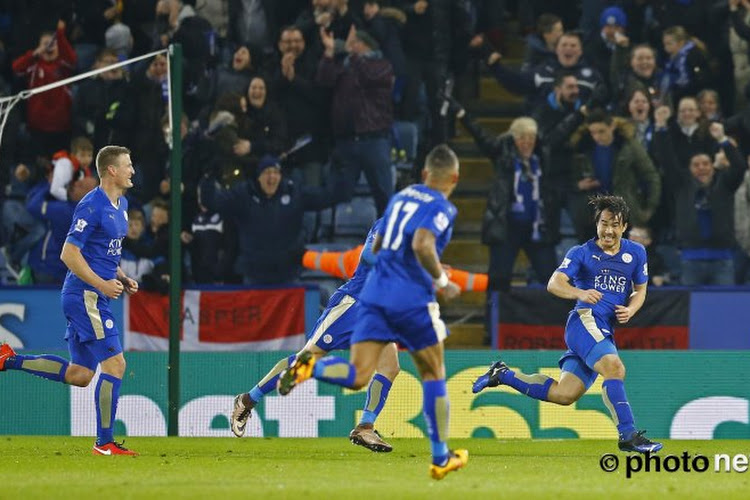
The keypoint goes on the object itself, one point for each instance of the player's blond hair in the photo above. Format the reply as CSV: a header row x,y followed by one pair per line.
x,y
107,156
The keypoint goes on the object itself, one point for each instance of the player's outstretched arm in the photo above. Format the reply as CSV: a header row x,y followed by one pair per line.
x,y
423,245
635,302
72,258
559,285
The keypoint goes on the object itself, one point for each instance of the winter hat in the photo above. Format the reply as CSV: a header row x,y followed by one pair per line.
x,y
613,16
118,38
268,161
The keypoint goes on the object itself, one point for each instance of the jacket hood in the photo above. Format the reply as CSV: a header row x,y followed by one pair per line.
x,y
624,130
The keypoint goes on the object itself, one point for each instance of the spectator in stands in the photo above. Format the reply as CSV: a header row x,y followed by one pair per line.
x,y
610,160
689,131
540,46
56,217
709,105
600,49
517,209
48,114
153,244
227,130
236,77
557,118
638,112
119,40
657,271
134,265
362,110
20,229
537,82
742,231
103,107
303,103
334,16
208,247
267,132
386,26
687,71
151,92
704,200
253,23
268,211
636,67
68,167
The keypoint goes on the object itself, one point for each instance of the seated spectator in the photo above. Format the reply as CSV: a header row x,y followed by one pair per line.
x,y
704,200
134,265
103,108
68,167
609,160
268,211
540,46
48,114
657,271
517,208
687,71
20,230
56,217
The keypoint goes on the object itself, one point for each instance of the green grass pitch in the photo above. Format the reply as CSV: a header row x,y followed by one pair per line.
x,y
331,468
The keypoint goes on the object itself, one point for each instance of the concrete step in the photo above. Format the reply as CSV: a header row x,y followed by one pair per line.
x,y
466,336
475,170
491,90
470,210
466,253
492,124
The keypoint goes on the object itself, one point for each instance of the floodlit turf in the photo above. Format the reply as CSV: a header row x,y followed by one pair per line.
x,y
331,468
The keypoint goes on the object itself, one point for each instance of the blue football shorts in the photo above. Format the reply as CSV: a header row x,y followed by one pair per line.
x,y
588,340
335,326
91,333
414,329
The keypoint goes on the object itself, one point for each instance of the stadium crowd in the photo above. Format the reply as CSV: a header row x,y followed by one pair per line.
x,y
646,100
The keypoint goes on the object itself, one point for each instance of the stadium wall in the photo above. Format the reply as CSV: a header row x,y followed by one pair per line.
x,y
677,394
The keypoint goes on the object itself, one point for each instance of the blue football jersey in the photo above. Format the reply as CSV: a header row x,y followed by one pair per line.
x,y
353,287
398,281
98,229
588,267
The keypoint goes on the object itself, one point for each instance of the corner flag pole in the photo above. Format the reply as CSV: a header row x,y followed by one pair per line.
x,y
175,245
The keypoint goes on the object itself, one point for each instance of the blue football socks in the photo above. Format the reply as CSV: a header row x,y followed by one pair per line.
x,y
46,366
105,399
377,393
615,399
535,386
268,383
435,410
335,370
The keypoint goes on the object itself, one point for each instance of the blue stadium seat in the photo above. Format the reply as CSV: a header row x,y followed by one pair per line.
x,y
353,219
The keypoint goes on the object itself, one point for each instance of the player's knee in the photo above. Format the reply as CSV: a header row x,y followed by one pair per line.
x,y
566,399
79,377
360,381
114,366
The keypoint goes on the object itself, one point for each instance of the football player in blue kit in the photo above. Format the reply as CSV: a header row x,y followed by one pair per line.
x,y
92,253
398,303
332,331
607,276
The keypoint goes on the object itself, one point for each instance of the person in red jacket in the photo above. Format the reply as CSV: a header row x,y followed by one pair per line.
x,y
48,113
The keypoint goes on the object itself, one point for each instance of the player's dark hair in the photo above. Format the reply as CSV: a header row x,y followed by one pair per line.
x,y
615,204
107,156
441,159
546,22
598,115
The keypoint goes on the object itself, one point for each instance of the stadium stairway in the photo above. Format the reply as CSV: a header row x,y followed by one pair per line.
x,y
495,109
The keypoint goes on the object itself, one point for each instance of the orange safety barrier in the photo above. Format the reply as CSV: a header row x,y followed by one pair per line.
x,y
343,264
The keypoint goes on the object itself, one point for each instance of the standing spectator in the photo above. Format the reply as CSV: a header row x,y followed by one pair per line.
x,y
235,78
386,26
517,208
362,110
687,71
742,231
134,265
253,23
540,46
48,114
103,108
599,50
709,105
704,200
609,160
640,71
657,271
638,112
267,128
689,132
303,103
208,246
